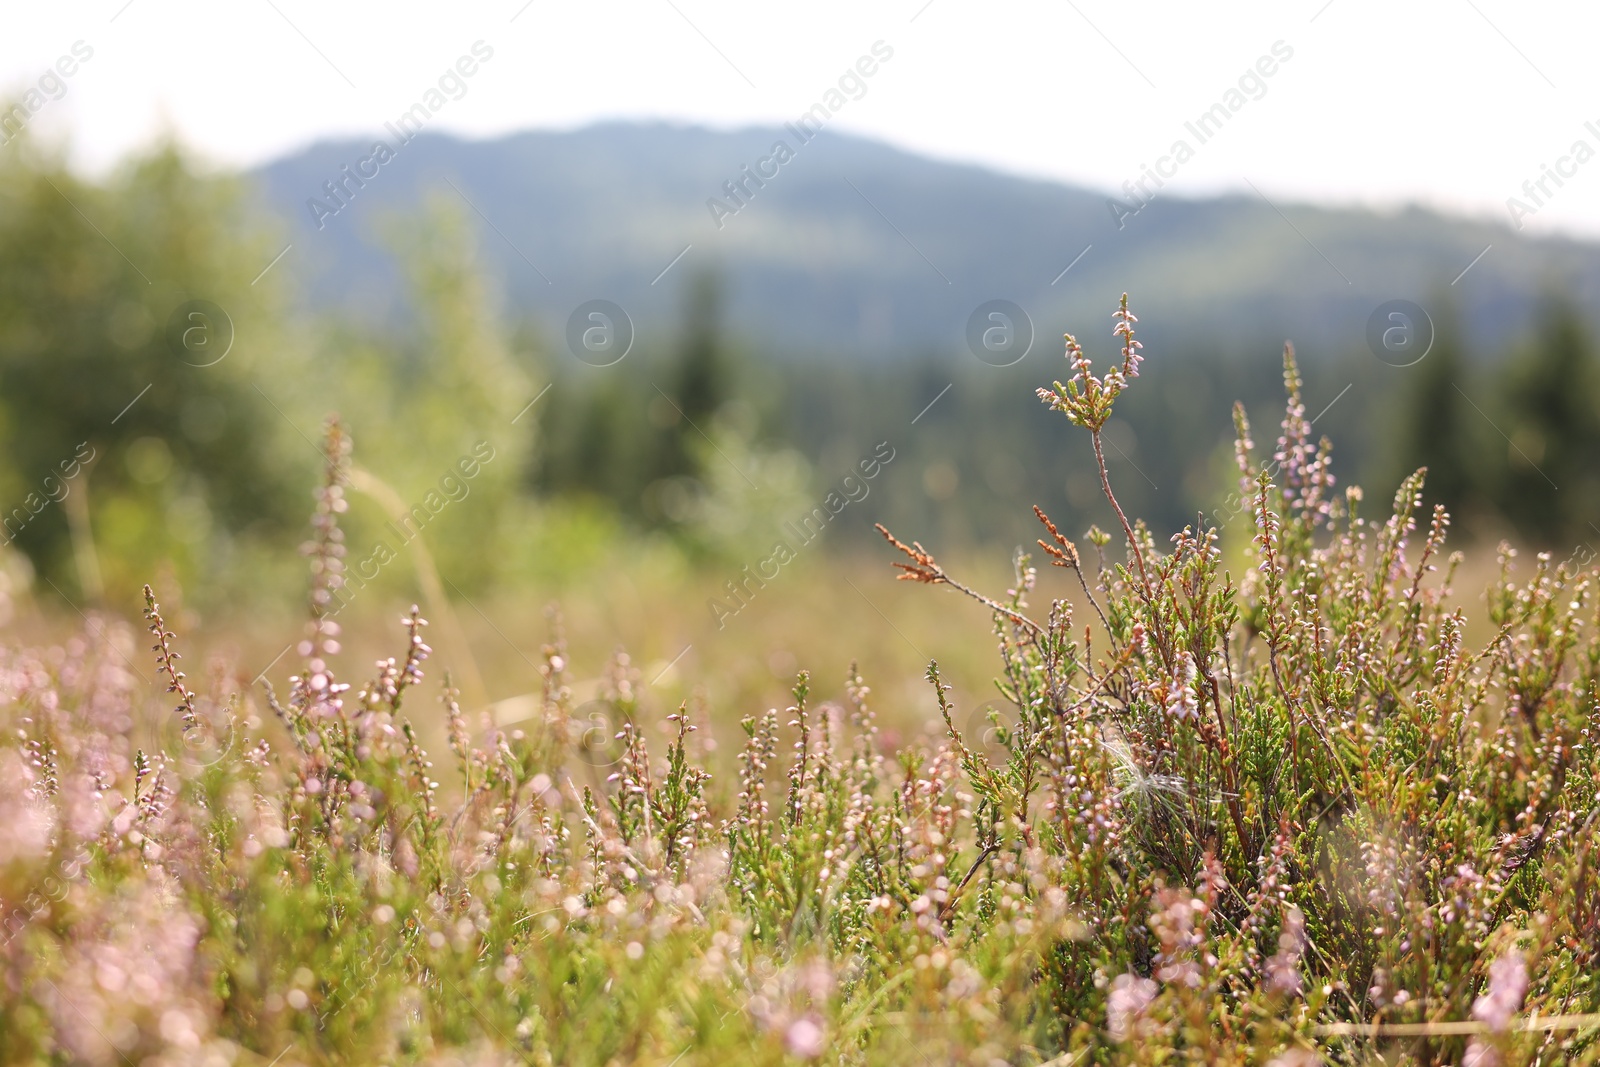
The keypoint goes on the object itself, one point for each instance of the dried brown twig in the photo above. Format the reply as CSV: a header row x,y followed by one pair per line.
x,y
1065,554
924,568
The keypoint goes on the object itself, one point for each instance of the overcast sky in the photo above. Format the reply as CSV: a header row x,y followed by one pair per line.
x,y
1454,104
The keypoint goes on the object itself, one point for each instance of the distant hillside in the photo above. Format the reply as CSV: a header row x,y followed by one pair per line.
x,y
854,248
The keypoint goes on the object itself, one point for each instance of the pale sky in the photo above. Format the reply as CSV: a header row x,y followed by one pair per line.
x,y
1452,104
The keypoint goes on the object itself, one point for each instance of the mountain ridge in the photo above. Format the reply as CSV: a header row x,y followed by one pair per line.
x,y
857,249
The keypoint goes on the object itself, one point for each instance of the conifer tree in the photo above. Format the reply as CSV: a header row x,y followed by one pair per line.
x,y
1439,430
1554,430
700,383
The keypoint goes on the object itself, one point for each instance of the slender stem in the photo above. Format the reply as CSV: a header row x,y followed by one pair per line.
x,y
1094,604
991,603
428,577
1147,590
950,905
1127,529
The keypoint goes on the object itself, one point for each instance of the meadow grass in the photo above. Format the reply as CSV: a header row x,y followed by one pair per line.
x,y
1289,817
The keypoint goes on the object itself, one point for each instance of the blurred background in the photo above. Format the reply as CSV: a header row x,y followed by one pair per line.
x,y
612,302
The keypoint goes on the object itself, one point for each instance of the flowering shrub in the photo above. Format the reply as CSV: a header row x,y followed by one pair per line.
x,y
1287,818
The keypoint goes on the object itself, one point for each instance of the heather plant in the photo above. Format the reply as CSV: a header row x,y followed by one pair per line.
x,y
1290,817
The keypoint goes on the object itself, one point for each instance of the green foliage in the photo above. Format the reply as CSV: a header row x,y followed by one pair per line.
x,y
1508,446
670,444
419,405
1289,816
703,376
182,455
1439,430
640,433
1554,428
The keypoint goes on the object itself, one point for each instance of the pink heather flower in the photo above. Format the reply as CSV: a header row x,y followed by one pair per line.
x,y
1082,372
1137,640
1130,348
1180,926
1508,984
1283,969
1181,701
1296,1057
805,1038
26,824
1131,996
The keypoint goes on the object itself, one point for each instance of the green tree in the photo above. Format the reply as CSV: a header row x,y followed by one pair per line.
x,y
187,453
1554,429
686,407
633,435
430,408
1438,429
703,367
